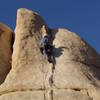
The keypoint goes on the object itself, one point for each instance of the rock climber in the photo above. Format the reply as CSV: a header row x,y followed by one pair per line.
x,y
46,48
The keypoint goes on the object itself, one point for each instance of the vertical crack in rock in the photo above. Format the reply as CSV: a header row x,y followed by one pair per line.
x,y
52,69
51,80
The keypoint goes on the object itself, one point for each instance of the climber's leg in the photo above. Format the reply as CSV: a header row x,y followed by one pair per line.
x,y
50,55
45,54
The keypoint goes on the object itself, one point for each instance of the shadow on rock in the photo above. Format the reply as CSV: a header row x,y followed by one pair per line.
x,y
57,52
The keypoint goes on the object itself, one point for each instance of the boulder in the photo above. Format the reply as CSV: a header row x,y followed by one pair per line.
x,y
29,67
5,51
77,67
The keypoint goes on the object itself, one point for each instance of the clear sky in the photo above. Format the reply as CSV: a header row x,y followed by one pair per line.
x,y
80,16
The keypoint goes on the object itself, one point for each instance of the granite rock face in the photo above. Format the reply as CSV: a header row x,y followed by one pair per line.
x,y
74,74
5,51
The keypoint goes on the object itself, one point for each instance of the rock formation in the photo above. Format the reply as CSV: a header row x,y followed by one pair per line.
x,y
74,75
5,51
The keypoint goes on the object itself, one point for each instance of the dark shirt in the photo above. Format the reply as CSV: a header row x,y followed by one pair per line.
x,y
45,45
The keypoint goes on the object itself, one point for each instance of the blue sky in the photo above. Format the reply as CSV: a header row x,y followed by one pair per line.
x,y
80,16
